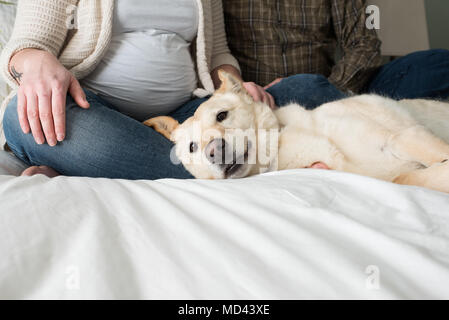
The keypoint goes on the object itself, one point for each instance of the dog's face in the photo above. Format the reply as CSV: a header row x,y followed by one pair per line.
x,y
223,139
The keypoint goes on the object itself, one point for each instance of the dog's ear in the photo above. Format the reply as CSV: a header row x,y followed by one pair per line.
x,y
229,83
164,125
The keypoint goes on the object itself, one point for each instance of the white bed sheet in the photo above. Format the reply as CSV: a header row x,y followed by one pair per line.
x,y
10,164
293,235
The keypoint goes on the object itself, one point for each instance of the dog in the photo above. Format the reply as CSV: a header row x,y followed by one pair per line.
x,y
232,136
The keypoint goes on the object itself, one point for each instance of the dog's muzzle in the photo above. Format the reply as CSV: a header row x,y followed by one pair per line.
x,y
218,152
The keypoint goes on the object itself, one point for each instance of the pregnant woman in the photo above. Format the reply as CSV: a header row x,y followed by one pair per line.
x,y
88,72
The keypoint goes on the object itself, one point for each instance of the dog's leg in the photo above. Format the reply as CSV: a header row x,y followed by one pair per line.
x,y
436,177
304,149
417,144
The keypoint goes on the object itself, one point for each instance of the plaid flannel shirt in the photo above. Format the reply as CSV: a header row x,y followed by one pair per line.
x,y
279,38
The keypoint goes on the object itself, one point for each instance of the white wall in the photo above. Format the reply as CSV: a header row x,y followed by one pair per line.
x,y
438,20
403,26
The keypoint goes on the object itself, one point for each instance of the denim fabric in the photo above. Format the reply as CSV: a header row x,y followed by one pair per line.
x,y
101,142
423,74
308,90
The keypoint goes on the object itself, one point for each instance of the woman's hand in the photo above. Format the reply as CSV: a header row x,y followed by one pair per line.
x,y
41,97
259,94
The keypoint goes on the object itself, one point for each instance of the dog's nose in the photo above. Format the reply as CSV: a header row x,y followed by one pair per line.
x,y
216,151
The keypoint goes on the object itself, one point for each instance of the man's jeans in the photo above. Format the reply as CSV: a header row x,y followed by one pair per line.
x,y
101,142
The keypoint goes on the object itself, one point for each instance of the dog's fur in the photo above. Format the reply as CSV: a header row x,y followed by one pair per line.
x,y
400,141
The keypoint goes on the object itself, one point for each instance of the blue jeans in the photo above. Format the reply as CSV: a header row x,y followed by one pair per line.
x,y
101,142
423,74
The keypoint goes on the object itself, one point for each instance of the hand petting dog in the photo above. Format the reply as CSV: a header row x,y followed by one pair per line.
x,y
231,136
259,94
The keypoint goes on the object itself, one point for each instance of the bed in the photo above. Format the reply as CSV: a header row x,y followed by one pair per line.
x,y
301,234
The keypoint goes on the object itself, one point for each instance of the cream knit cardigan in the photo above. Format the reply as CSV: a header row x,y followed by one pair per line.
x,y
45,24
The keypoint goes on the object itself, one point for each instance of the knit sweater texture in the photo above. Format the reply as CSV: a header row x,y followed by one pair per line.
x,y
78,32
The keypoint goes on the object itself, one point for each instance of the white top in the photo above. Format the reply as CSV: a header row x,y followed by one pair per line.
x,y
148,69
83,50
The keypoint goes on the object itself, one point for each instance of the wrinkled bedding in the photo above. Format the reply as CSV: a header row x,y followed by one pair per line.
x,y
10,165
291,235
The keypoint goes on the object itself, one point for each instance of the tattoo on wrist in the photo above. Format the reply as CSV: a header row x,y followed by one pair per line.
x,y
15,74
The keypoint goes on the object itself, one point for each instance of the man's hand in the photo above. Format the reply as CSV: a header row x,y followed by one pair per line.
x,y
41,98
259,94
273,83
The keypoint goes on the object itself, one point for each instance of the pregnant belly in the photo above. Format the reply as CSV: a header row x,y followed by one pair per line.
x,y
145,74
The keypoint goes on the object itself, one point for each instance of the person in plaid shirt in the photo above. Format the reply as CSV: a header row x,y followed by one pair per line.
x,y
296,40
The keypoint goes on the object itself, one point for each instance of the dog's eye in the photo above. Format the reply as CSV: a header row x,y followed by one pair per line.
x,y
193,147
222,115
